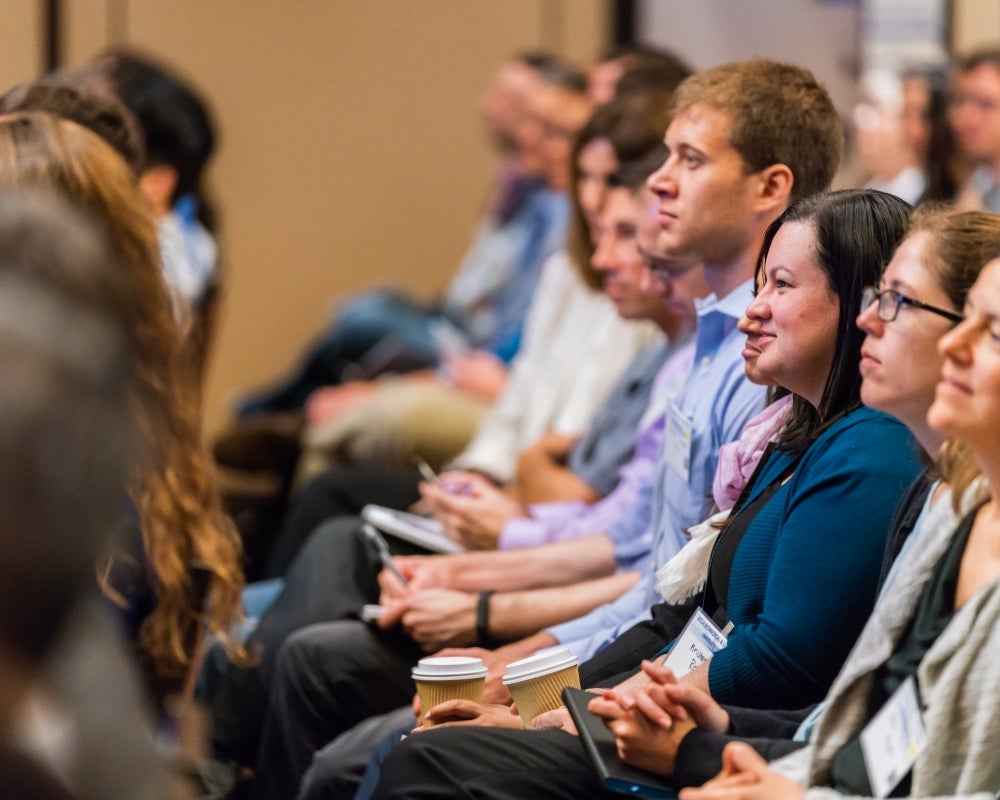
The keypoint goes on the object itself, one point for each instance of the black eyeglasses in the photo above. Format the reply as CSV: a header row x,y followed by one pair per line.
x,y
889,302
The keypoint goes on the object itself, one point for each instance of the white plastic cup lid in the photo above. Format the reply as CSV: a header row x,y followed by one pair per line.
x,y
539,664
449,668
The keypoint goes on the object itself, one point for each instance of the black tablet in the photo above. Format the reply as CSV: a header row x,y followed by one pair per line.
x,y
599,744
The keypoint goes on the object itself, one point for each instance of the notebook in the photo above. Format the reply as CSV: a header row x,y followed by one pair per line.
x,y
412,528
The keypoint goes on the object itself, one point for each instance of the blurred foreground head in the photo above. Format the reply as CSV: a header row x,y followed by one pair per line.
x,y
66,441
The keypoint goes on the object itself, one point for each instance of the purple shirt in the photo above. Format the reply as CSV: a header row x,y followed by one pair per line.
x,y
557,522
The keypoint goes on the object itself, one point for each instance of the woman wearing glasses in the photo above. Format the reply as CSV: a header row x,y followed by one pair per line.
x,y
936,617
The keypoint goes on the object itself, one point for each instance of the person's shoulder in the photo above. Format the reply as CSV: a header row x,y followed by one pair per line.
x,y
865,432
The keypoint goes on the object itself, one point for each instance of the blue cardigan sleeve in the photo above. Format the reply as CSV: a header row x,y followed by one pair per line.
x,y
804,576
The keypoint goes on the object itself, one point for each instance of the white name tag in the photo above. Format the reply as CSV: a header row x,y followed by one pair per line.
x,y
677,442
699,641
893,739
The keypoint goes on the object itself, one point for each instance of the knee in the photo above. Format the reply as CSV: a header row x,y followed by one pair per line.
x,y
332,540
411,763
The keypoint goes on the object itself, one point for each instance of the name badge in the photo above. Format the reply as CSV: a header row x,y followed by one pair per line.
x,y
893,739
700,640
677,442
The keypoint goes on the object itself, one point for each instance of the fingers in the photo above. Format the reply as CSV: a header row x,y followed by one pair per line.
x,y
658,673
390,617
605,708
657,714
452,710
739,758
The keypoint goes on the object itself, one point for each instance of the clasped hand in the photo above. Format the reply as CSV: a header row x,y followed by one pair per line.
x,y
651,717
434,617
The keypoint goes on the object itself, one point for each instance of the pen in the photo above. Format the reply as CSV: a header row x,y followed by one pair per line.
x,y
384,555
425,470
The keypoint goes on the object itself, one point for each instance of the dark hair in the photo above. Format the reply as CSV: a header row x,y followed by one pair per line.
x,y
558,72
976,58
67,356
633,124
647,67
98,111
856,232
633,174
939,162
779,114
175,121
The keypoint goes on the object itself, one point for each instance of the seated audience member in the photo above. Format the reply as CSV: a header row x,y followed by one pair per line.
x,y
880,141
926,129
975,92
920,294
178,139
180,569
930,645
66,443
901,137
795,568
68,346
551,396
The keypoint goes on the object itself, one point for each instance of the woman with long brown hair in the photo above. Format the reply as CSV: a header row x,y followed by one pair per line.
x,y
186,573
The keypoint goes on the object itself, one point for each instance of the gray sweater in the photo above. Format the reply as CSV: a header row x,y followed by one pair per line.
x,y
957,679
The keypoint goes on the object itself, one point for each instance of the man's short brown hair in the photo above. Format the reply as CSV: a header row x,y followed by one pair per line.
x,y
977,58
779,114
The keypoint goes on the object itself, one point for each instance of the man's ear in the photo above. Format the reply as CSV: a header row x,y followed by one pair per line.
x,y
157,185
774,187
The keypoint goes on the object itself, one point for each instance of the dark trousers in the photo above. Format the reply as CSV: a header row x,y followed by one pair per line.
x,y
333,577
338,492
489,763
330,677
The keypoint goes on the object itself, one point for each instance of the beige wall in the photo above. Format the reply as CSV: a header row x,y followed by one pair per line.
x,y
976,22
351,152
20,40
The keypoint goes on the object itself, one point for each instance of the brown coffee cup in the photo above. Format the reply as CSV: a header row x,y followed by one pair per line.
x,y
536,682
448,678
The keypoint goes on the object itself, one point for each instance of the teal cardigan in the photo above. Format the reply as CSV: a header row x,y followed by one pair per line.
x,y
803,577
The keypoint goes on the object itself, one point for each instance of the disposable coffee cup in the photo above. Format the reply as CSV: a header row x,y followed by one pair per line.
x,y
448,678
536,682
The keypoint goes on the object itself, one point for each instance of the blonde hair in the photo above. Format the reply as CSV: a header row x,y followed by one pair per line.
x,y
182,523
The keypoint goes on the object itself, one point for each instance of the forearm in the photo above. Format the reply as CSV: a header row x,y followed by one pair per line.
x,y
557,564
551,482
516,614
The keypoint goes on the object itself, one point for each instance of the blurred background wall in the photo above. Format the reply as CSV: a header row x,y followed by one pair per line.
x,y
350,150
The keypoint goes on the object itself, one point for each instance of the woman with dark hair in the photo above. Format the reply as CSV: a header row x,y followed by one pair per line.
x,y
794,571
618,133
